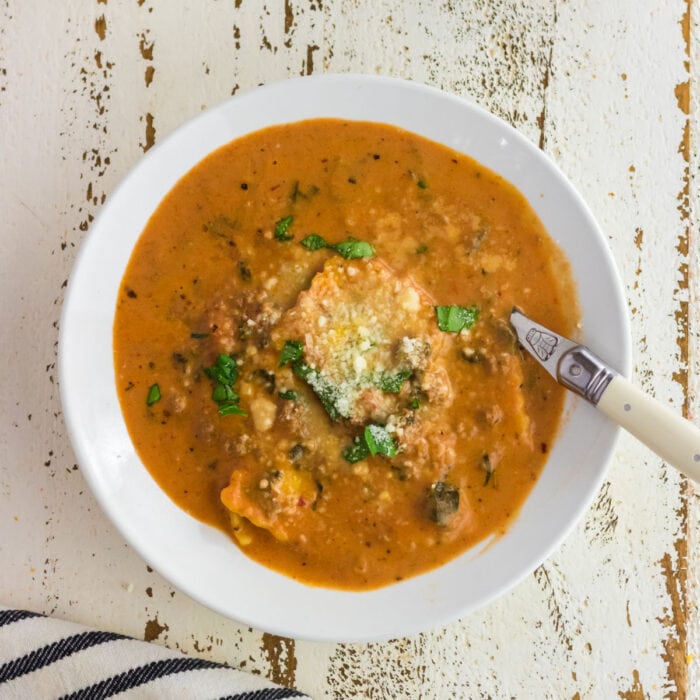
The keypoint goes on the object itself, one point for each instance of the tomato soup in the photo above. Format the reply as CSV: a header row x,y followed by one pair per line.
x,y
313,353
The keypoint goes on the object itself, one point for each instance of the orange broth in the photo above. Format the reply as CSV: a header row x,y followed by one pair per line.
x,y
471,423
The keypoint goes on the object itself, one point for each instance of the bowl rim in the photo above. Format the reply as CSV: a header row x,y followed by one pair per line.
x,y
74,418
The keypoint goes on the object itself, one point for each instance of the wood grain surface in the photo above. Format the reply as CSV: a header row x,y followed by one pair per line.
x,y
608,89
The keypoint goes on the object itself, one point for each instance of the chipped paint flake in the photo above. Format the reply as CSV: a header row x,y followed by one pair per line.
x,y
280,654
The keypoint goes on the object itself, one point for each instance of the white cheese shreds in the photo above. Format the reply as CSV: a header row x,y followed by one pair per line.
x,y
373,324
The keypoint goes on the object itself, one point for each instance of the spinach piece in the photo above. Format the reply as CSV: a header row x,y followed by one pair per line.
x,y
443,502
289,395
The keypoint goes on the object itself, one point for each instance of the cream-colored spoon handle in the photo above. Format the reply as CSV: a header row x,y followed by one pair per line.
x,y
675,439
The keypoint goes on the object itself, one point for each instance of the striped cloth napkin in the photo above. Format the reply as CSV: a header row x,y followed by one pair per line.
x,y
42,658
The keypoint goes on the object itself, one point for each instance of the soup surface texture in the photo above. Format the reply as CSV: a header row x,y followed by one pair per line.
x,y
313,353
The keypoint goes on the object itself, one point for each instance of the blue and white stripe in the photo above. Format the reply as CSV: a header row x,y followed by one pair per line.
x,y
44,658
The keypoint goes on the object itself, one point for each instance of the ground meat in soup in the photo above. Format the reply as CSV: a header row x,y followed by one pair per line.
x,y
282,368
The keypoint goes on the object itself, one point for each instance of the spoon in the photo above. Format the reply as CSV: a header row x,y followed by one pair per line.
x,y
675,439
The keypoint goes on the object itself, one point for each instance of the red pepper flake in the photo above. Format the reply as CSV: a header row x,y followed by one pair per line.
x,y
301,502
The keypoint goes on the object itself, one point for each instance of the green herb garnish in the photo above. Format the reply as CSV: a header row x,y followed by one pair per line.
x,y
291,352
153,395
224,371
375,440
379,442
225,374
422,184
282,229
289,395
231,408
350,249
422,248
353,248
314,242
223,393
415,404
392,383
327,393
453,319
199,335
357,451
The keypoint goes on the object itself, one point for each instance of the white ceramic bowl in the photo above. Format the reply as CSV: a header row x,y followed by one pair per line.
x,y
203,562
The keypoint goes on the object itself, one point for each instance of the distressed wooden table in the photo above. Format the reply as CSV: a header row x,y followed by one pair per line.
x,y
607,88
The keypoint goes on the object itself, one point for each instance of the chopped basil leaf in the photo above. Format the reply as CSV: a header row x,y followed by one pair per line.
x,y
422,248
379,441
231,408
223,392
289,395
282,229
225,373
225,370
357,451
314,242
350,249
291,352
392,383
199,335
443,502
375,440
453,319
422,184
324,390
153,395
353,248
